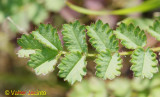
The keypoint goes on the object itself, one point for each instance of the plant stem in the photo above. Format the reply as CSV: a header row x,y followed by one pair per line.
x,y
156,49
125,53
86,11
59,55
145,6
21,30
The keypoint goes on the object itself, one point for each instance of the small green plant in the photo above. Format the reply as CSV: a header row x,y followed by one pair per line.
x,y
44,49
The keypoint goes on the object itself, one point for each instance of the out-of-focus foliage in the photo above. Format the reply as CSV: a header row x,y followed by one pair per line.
x,y
54,5
143,23
92,87
155,30
5,44
139,85
24,11
120,87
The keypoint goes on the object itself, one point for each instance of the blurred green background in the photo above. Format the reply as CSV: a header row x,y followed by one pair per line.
x,y
23,16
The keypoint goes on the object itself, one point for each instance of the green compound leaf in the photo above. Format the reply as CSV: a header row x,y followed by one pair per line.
x,y
131,37
43,61
42,46
73,67
28,42
48,36
144,63
155,30
74,37
108,65
23,53
102,37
